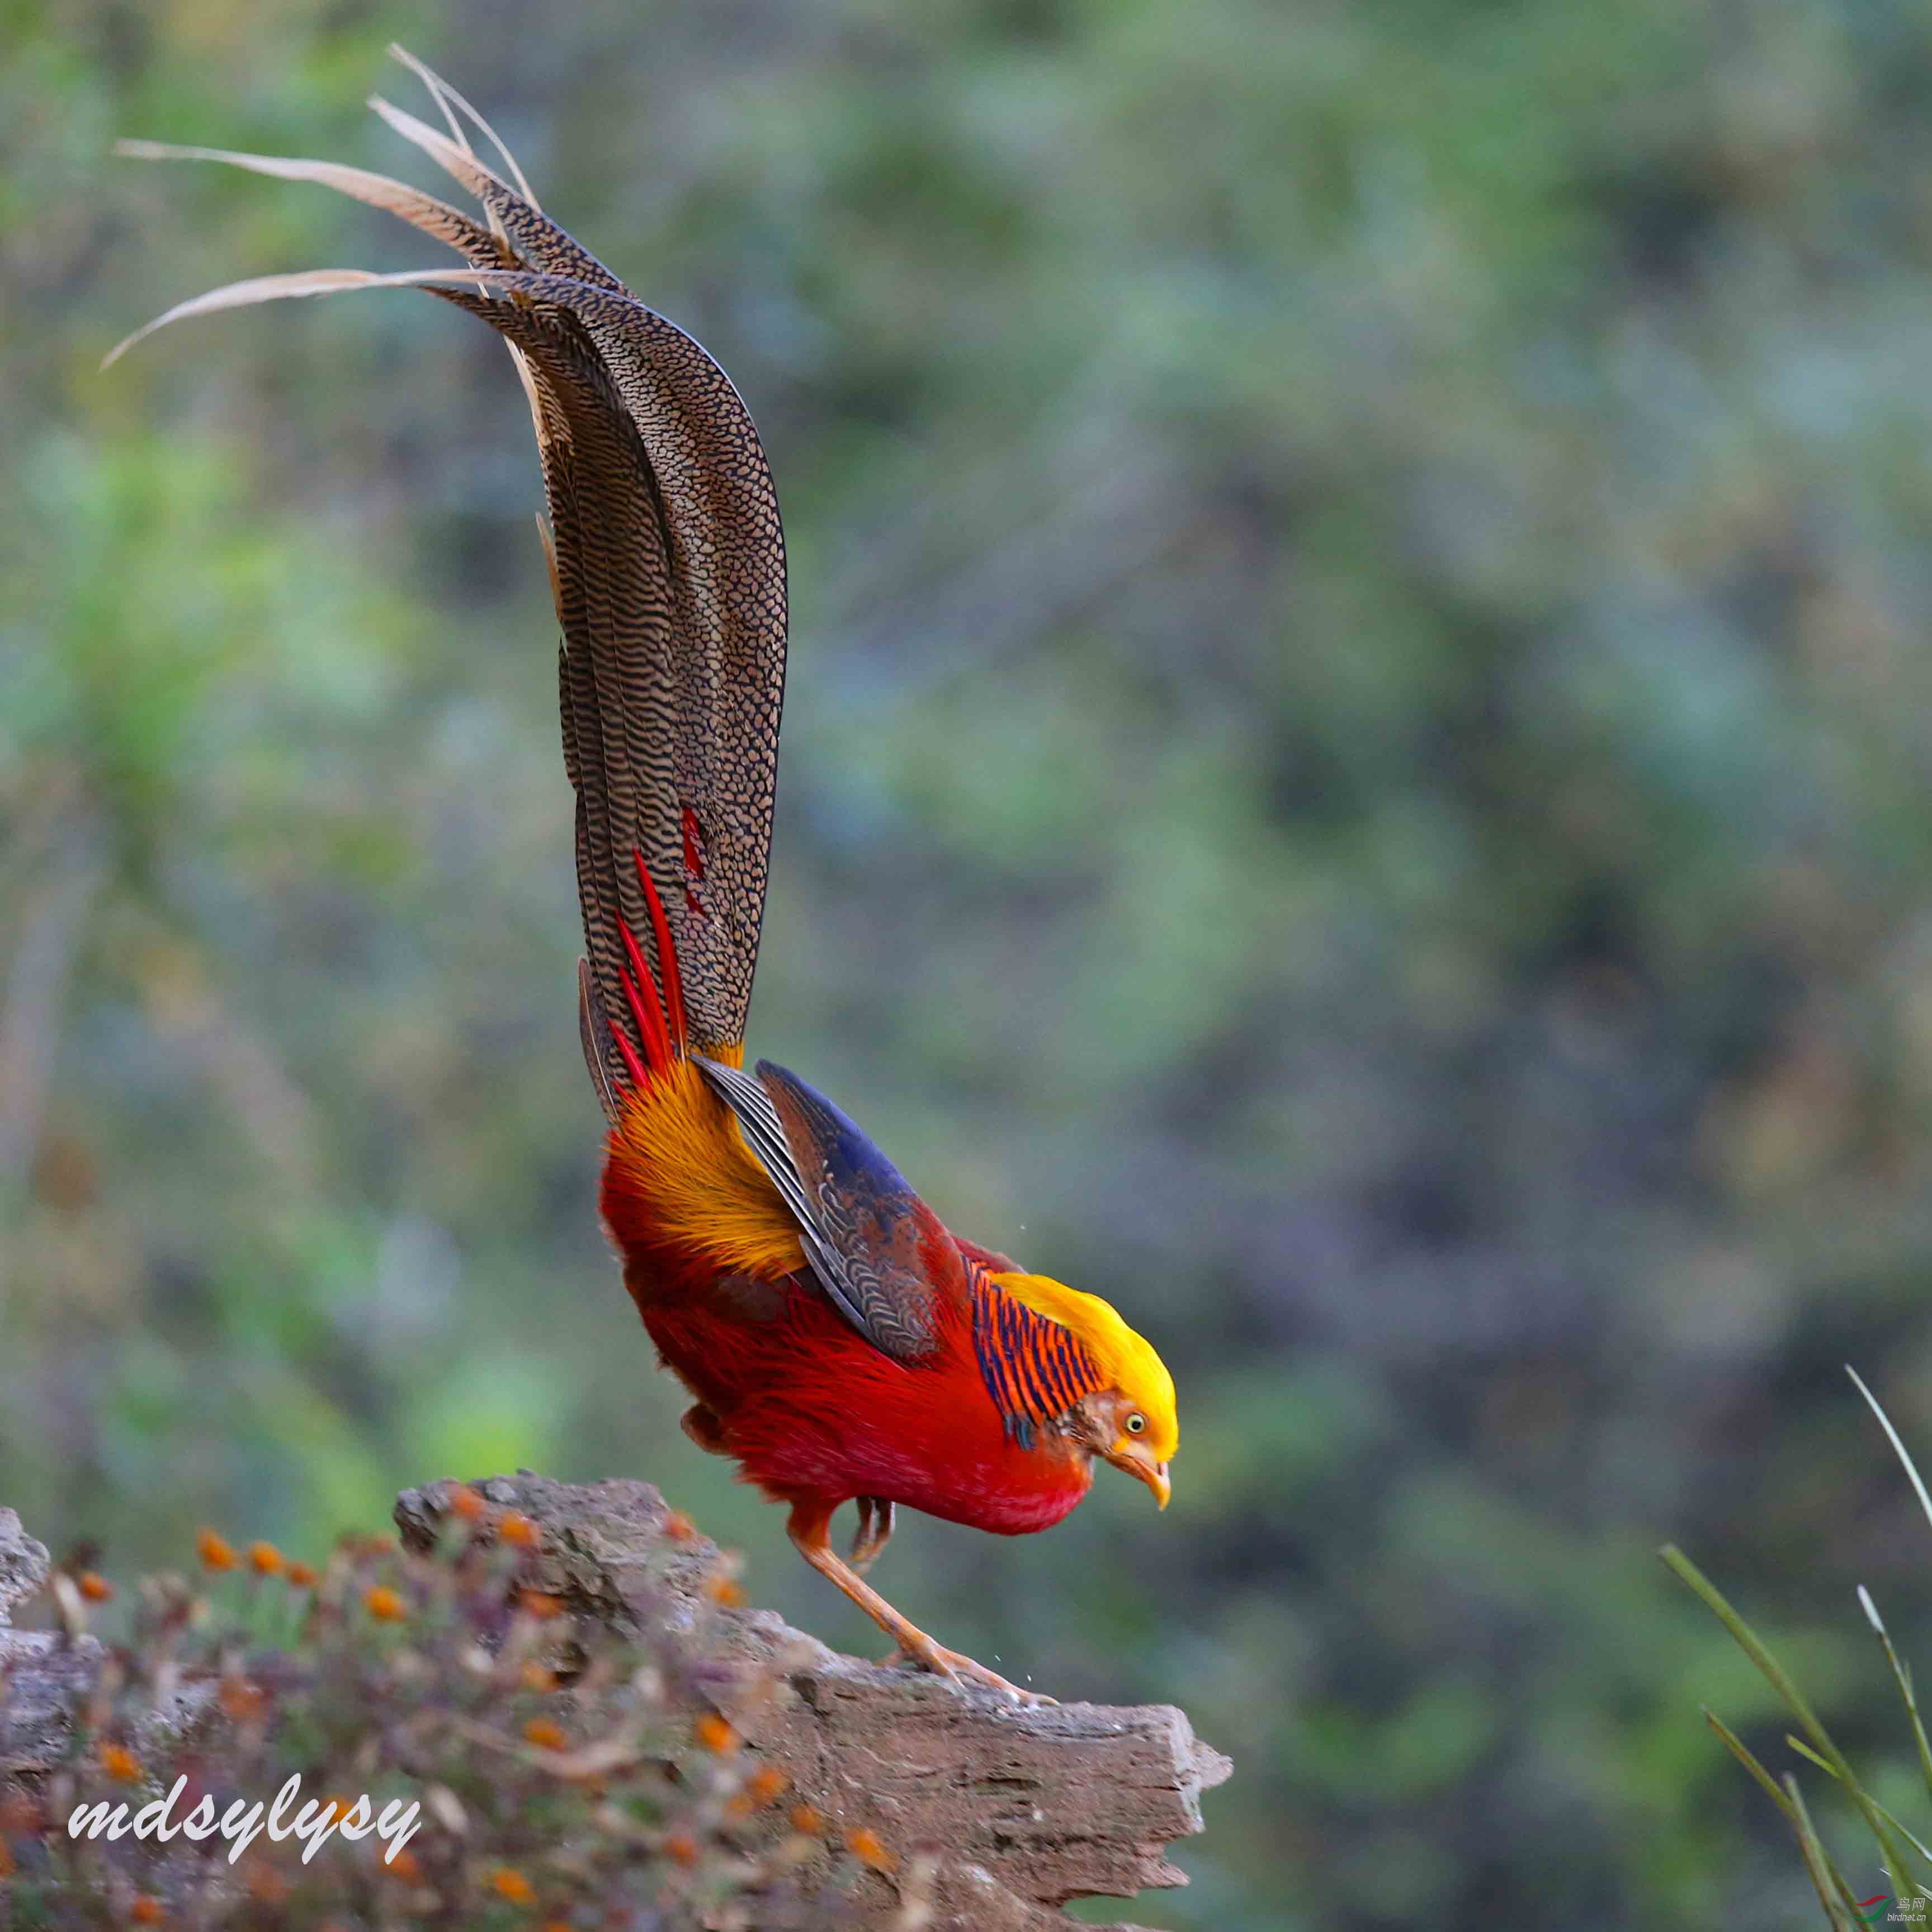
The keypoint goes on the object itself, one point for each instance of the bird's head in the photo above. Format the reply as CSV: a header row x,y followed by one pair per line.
x,y
1130,1419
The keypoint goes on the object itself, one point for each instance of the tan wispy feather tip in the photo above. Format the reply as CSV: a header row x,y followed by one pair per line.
x,y
665,553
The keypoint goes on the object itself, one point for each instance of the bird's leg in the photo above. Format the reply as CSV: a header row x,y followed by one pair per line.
x,y
873,1532
808,1528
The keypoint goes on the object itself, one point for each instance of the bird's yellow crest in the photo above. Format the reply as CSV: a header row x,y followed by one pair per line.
x,y
1127,1360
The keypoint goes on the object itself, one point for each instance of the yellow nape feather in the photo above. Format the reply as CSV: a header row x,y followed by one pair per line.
x,y
682,1159
1127,1360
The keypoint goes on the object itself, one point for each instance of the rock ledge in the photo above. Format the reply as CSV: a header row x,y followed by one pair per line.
x,y
1021,1809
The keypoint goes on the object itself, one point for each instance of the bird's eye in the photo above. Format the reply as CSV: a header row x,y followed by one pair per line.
x,y
1135,1423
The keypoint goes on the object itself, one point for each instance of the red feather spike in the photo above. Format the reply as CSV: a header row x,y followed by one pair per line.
x,y
673,982
636,1066
650,1028
648,1014
649,1024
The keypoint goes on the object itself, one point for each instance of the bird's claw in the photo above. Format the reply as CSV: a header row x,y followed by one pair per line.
x,y
955,1667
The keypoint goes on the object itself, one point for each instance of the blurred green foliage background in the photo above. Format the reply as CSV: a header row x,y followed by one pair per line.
x,y
1358,778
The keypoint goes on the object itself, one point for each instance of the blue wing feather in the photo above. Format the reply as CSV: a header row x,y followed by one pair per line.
x,y
882,1256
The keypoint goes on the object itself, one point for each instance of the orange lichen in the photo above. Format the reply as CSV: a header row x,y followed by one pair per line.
x,y
681,1849
868,1848
546,1733
264,1559
714,1733
516,1529
94,1587
120,1764
302,1576
536,1677
145,1910
540,1604
808,1819
678,1526
465,1502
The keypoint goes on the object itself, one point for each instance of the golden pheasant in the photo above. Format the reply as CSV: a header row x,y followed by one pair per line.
x,y
839,1343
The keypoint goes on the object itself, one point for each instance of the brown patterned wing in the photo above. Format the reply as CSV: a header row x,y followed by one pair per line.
x,y
668,561
882,1256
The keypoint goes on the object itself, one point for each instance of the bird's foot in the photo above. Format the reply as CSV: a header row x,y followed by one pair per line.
x,y
810,1516
956,1667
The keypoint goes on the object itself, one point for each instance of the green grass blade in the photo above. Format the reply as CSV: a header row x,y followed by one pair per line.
x,y
1844,1884
1742,1752
1775,1675
1905,1831
1751,1644
1902,1677
1815,1862
1898,1448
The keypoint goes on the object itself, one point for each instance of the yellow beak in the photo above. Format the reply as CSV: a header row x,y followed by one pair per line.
x,y
1139,1463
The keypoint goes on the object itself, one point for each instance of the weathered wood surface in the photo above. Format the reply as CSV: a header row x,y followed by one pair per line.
x,y
43,1674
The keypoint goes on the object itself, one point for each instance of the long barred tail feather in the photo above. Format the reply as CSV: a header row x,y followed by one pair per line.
x,y
667,562
603,1048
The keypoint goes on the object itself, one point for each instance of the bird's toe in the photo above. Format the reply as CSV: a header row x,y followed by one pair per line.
x,y
959,1667
935,1662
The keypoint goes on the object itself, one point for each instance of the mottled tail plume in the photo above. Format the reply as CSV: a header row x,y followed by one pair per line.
x,y
667,564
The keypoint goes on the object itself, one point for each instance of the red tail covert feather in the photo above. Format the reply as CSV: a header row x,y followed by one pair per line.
x,y
649,1022
633,1065
673,982
648,1014
658,1015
